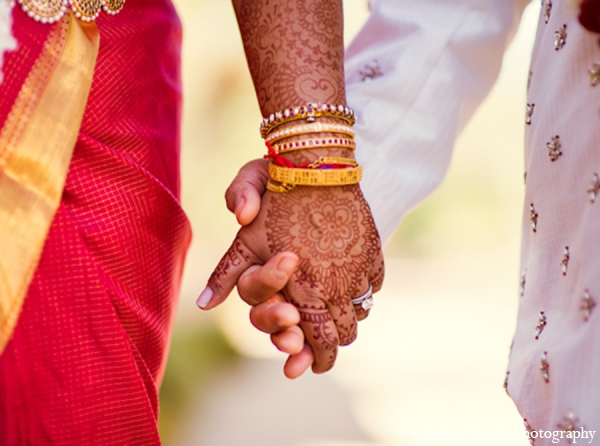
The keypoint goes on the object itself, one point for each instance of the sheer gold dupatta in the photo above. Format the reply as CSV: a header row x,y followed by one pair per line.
x,y
36,145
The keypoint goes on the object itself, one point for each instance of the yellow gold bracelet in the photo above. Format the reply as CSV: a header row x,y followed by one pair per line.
x,y
292,177
328,160
316,127
315,143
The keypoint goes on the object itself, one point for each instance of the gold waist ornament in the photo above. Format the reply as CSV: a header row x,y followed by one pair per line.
x,y
50,11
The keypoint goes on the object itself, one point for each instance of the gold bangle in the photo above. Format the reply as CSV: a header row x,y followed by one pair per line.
x,y
291,177
315,143
310,112
328,160
316,127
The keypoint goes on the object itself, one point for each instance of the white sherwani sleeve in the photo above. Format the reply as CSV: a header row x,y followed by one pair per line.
x,y
438,60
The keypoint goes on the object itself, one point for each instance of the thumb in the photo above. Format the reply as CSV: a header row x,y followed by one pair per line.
x,y
236,260
243,196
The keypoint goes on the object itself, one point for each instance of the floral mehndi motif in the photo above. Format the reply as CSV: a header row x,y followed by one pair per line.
x,y
331,226
320,18
338,247
330,235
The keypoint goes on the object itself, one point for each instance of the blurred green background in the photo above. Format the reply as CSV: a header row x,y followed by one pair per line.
x,y
433,352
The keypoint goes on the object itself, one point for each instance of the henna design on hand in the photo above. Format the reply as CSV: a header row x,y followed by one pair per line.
x,y
295,55
361,313
335,239
377,277
235,256
347,331
321,330
332,232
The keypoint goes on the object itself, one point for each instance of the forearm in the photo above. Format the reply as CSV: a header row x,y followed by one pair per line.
x,y
295,51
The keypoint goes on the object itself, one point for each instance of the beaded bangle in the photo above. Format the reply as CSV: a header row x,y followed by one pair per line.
x,y
291,177
316,127
342,143
310,112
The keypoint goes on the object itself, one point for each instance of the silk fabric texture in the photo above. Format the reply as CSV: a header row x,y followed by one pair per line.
x,y
85,360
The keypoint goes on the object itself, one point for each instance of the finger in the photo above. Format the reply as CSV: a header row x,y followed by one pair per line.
x,y
296,365
258,283
344,317
290,341
274,315
236,260
243,196
321,334
316,322
377,273
362,309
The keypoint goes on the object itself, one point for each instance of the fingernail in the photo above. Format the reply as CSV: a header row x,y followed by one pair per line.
x,y
239,204
204,298
286,265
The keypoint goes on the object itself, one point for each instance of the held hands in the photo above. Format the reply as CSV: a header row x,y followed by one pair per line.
x,y
328,229
319,245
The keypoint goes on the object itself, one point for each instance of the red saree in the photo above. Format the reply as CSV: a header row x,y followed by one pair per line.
x,y
84,362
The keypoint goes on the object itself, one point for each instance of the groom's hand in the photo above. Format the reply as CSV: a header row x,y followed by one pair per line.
x,y
259,286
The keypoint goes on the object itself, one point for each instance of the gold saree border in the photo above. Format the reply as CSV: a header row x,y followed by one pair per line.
x,y
36,145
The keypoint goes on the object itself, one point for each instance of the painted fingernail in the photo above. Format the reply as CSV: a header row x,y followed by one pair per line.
x,y
286,265
239,204
205,297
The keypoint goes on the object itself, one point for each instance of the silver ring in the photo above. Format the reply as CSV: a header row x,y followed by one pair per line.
x,y
365,300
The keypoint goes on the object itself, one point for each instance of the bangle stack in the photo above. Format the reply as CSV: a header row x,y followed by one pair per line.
x,y
325,171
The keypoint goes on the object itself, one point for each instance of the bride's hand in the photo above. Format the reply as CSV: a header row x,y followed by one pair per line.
x,y
331,231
